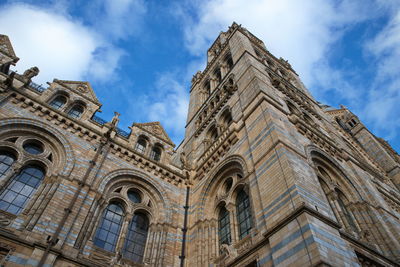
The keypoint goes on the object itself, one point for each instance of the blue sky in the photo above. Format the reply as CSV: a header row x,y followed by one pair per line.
x,y
140,55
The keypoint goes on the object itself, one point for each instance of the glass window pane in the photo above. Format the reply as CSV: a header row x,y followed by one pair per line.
x,y
224,230
18,192
109,227
243,214
6,160
136,239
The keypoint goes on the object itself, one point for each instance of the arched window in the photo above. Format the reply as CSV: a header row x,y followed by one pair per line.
x,y
21,188
218,75
224,227
136,239
156,153
229,61
348,217
226,118
109,227
76,111
6,160
141,145
243,214
207,87
58,102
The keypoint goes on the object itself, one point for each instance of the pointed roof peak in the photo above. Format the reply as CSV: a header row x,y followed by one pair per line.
x,y
83,88
155,128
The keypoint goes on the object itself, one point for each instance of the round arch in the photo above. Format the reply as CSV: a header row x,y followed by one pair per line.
x,y
67,157
145,182
317,157
234,163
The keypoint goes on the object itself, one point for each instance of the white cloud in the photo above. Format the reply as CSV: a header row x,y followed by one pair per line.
x,y
59,47
304,32
300,31
117,19
63,47
167,104
382,109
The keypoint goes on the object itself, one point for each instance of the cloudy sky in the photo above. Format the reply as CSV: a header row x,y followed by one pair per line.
x,y
140,55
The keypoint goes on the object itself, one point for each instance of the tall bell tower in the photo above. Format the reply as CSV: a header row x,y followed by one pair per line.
x,y
276,179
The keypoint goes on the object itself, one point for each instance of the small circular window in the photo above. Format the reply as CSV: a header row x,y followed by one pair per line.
x,y
134,196
33,147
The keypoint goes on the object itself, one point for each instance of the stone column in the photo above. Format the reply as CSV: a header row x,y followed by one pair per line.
x,y
232,218
12,171
123,233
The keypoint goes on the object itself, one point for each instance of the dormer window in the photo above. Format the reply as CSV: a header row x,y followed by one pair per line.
x,y
156,153
141,145
58,102
76,111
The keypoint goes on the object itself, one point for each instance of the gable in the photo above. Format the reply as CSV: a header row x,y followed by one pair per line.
x,y
81,88
155,129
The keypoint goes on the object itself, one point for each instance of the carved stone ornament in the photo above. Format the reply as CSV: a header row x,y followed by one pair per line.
x,y
30,73
156,130
6,219
82,88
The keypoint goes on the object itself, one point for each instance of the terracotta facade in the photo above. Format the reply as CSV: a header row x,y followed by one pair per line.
x,y
265,176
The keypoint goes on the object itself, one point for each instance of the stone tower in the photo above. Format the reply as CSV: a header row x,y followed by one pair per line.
x,y
265,176
277,178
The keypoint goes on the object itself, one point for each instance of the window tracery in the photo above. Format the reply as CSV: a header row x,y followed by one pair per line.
x,y
135,212
330,181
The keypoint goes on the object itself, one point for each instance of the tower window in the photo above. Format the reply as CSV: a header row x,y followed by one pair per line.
x,y
207,87
229,61
213,133
20,190
218,75
58,102
76,111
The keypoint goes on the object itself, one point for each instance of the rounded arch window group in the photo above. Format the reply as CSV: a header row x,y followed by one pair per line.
x,y
24,161
61,101
143,143
233,207
126,205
